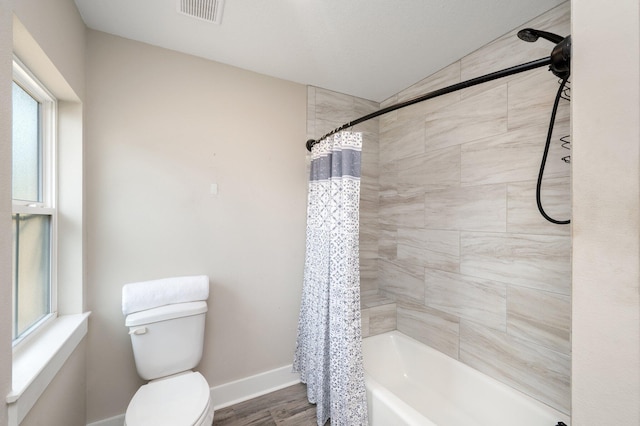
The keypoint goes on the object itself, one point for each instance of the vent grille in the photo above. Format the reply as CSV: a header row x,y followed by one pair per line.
x,y
207,10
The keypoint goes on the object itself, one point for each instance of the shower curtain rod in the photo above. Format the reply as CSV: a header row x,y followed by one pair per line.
x,y
449,89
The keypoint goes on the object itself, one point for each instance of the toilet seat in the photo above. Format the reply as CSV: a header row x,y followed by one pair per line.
x,y
183,399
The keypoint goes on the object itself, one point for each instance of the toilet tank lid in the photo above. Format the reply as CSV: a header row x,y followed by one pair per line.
x,y
167,312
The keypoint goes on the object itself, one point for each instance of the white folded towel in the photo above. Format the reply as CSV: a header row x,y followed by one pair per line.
x,y
152,294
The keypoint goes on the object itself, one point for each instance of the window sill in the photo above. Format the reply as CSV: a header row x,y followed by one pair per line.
x,y
39,360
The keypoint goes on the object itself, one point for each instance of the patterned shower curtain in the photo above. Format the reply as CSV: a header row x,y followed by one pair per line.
x,y
329,346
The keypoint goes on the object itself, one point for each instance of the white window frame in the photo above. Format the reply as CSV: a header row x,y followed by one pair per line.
x,y
48,205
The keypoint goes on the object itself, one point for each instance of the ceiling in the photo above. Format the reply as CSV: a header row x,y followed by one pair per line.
x,y
366,48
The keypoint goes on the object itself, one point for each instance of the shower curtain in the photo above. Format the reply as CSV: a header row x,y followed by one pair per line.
x,y
328,350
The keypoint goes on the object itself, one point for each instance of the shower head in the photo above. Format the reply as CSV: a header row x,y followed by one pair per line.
x,y
561,53
530,35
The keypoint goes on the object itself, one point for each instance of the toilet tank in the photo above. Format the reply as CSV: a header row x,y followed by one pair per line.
x,y
168,339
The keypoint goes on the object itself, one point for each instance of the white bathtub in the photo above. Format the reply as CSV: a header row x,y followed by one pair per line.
x,y
409,383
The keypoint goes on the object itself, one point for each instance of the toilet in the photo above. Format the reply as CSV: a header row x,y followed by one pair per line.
x,y
167,338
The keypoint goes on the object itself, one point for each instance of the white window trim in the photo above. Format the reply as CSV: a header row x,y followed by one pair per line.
x,y
47,206
38,91
65,332
42,351
37,361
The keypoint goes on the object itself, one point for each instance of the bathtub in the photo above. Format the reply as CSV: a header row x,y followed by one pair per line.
x,y
409,383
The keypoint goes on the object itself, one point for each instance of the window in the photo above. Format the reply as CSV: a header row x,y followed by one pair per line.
x,y
34,207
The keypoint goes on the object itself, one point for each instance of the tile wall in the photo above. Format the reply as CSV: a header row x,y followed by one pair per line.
x,y
474,269
451,238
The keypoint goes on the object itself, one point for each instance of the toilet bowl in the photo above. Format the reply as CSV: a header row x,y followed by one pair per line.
x,y
180,400
167,340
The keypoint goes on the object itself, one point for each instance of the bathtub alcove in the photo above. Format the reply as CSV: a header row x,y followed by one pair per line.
x,y
453,252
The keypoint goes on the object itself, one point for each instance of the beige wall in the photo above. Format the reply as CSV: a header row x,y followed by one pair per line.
x,y
54,407
5,204
606,128
475,270
161,128
58,29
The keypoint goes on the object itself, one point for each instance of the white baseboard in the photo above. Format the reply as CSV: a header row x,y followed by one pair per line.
x,y
253,386
111,421
236,391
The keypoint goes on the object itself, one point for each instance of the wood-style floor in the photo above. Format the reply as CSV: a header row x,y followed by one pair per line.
x,y
286,407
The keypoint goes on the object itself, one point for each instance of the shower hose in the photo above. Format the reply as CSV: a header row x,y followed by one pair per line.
x,y
546,152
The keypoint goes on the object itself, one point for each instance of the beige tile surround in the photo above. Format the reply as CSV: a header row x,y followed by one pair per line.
x,y
378,314
454,252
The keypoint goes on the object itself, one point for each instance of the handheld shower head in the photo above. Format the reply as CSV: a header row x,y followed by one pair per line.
x,y
561,53
530,35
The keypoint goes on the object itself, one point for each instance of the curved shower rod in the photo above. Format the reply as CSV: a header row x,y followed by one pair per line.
x,y
558,61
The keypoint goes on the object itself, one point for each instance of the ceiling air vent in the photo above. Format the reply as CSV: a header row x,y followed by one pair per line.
x,y
207,10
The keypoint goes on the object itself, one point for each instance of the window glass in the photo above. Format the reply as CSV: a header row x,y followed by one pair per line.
x,y
26,146
32,269
33,193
